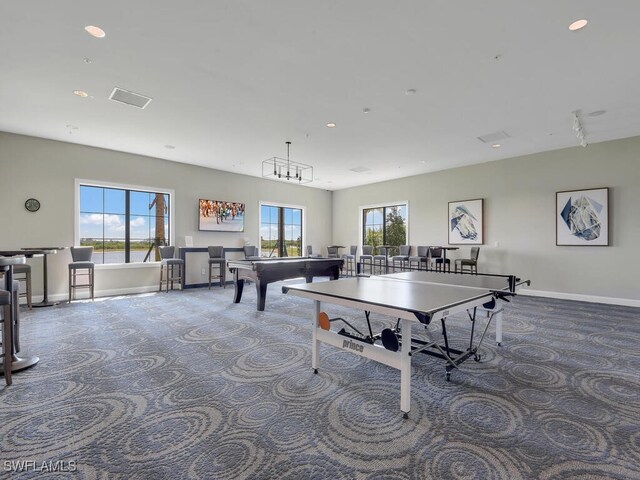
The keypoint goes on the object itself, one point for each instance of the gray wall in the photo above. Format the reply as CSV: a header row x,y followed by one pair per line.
x,y
519,196
46,170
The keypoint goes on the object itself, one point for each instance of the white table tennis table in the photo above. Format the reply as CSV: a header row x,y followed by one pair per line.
x,y
415,297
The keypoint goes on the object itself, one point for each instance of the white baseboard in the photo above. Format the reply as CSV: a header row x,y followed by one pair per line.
x,y
83,294
627,302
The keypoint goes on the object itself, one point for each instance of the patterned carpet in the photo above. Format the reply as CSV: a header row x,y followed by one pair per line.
x,y
189,385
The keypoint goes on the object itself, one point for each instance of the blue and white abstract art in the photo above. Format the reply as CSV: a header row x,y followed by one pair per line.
x,y
466,222
582,217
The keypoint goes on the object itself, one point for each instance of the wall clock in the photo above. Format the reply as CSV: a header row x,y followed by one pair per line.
x,y
32,205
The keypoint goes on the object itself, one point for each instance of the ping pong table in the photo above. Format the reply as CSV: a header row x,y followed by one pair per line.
x,y
412,298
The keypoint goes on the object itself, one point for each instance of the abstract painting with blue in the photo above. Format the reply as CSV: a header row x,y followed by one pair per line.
x,y
466,222
582,217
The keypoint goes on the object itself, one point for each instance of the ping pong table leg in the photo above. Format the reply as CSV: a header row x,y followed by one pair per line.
x,y
315,343
405,368
499,322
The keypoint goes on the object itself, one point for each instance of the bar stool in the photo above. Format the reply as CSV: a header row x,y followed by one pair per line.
x,y
81,257
381,260
169,263
367,258
422,258
217,260
403,258
24,269
7,335
350,259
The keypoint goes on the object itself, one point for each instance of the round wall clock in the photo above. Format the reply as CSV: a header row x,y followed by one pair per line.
x,y
32,205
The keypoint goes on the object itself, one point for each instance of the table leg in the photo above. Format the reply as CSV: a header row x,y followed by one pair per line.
x,y
405,368
315,343
498,319
45,282
17,363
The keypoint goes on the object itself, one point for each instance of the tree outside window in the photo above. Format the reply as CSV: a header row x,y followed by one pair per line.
x,y
385,226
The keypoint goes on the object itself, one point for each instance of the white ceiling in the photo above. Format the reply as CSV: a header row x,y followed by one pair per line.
x,y
232,80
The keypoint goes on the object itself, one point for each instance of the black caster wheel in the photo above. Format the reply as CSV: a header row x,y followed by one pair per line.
x,y
447,376
315,370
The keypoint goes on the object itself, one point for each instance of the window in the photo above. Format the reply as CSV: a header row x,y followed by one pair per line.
x,y
384,225
123,225
280,231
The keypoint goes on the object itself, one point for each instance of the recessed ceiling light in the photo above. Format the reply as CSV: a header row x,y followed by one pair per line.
x,y
86,60
366,110
72,127
578,24
331,125
597,113
496,145
170,147
81,93
95,31
410,91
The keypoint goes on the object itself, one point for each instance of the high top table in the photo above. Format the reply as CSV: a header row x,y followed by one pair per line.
x,y
44,251
8,259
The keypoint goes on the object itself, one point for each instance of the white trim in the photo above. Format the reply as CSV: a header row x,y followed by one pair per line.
x,y
123,186
579,297
285,205
378,205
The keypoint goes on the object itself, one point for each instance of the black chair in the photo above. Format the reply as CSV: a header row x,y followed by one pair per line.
x,y
81,261
403,257
437,260
381,260
350,259
217,260
421,259
367,258
7,335
168,265
471,262
24,272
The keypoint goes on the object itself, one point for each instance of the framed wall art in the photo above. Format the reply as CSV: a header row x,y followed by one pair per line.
x,y
582,217
466,222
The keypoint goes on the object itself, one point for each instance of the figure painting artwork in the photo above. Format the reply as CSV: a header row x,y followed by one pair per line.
x,y
219,216
466,222
582,217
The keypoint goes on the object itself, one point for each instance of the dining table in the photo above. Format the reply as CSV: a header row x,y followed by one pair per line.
x,y
9,258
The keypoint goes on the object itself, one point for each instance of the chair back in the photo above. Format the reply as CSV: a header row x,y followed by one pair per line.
x,y
353,250
382,251
216,252
435,252
250,251
367,250
309,250
82,254
475,252
423,251
166,252
332,252
405,250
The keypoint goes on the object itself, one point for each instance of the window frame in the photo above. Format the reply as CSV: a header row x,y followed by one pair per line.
x,y
78,182
263,203
384,205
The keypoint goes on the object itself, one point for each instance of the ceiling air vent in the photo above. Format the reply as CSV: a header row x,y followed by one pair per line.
x,y
493,137
129,98
360,169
